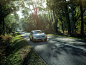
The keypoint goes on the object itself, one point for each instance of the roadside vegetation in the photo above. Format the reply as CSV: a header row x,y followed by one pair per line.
x,y
14,50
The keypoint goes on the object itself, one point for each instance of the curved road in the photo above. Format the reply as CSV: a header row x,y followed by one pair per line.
x,y
57,53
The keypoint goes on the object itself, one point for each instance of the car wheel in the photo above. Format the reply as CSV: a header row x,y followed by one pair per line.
x,y
46,39
32,39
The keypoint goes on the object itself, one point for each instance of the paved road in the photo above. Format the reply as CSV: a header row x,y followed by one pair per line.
x,y
56,52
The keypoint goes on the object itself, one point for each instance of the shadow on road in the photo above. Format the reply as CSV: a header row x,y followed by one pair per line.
x,y
57,52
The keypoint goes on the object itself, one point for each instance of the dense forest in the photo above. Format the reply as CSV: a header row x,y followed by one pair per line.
x,y
58,17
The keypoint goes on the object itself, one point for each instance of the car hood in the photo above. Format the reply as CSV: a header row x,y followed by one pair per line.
x,y
40,34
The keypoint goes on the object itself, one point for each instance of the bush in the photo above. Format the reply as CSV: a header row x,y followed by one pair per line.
x,y
2,57
4,43
11,34
6,39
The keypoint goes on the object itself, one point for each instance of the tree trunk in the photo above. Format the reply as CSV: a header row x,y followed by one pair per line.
x,y
82,23
62,24
56,21
73,22
68,20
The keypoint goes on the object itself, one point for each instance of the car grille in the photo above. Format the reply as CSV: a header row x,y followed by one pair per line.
x,y
43,36
40,36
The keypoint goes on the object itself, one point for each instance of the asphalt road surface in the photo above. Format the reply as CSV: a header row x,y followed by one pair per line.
x,y
57,53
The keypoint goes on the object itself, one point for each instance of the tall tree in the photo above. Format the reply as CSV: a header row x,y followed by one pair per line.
x,y
7,7
82,22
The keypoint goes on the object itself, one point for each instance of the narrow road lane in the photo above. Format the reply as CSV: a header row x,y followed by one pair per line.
x,y
57,53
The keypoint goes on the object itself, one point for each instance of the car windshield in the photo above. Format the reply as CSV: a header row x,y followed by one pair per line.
x,y
36,32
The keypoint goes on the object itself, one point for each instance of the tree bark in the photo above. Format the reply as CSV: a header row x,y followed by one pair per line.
x,y
56,21
68,20
73,22
82,22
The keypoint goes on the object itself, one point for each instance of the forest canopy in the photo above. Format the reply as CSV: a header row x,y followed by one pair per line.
x,y
58,16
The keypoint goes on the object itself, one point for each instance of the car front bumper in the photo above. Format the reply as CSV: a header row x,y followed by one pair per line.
x,y
39,39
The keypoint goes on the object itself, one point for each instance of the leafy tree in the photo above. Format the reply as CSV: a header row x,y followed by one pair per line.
x,y
7,7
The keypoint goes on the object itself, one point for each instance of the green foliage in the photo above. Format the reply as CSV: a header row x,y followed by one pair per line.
x,y
10,23
68,13
39,22
13,44
18,52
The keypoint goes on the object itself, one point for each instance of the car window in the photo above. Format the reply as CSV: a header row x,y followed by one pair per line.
x,y
36,32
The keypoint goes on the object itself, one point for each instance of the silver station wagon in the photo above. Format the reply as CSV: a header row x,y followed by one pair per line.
x,y
37,35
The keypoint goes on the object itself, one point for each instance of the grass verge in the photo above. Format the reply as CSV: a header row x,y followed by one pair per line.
x,y
19,52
